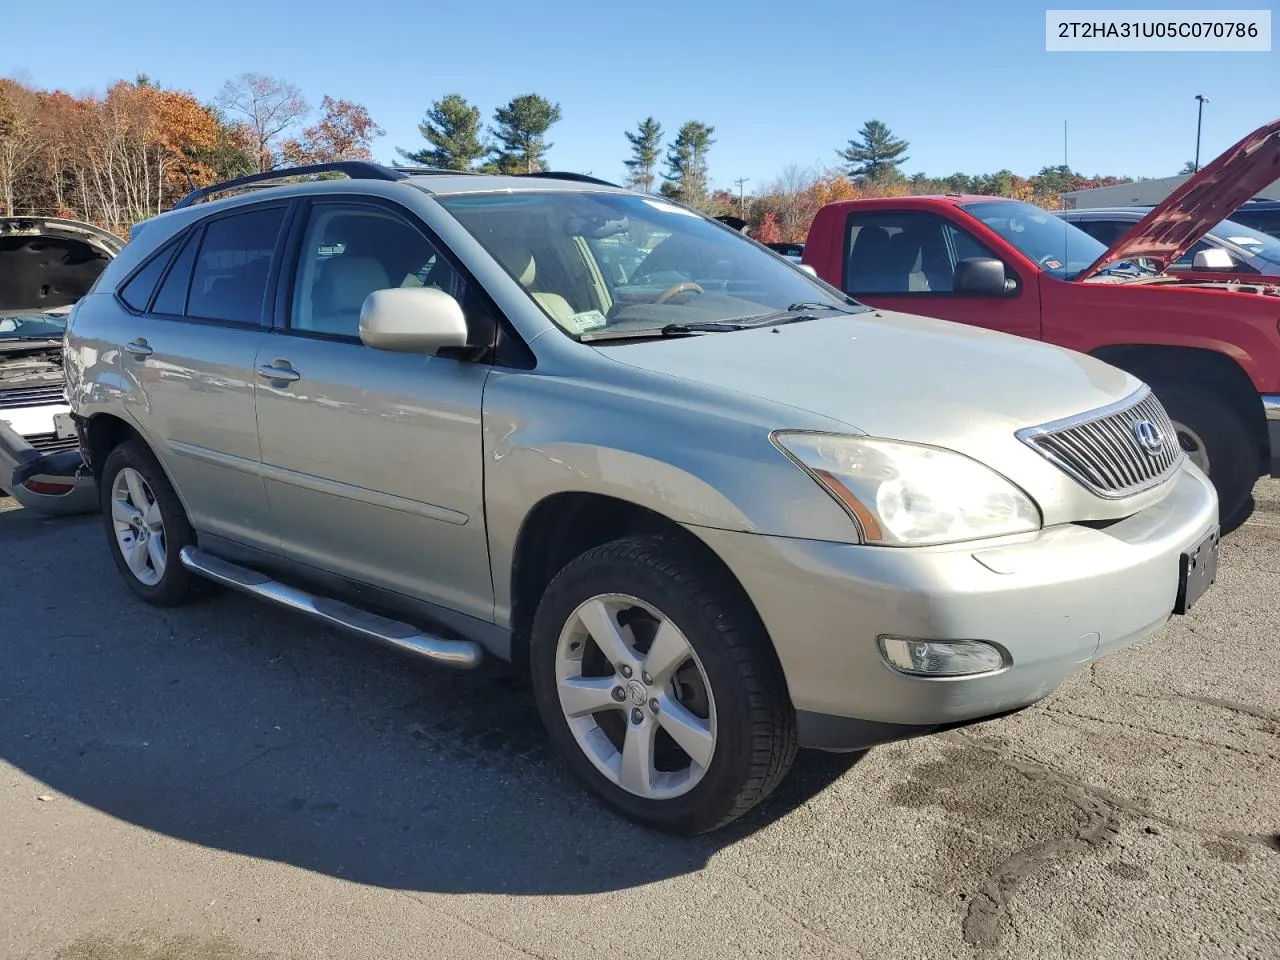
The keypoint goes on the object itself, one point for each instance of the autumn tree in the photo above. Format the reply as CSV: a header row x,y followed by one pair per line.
x,y
270,107
768,231
452,127
521,128
876,155
686,178
344,132
646,148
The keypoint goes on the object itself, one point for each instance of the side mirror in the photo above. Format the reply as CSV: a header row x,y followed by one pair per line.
x,y
808,269
984,276
1213,258
412,320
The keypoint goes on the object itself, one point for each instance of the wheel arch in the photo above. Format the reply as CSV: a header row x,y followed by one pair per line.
x,y
563,526
106,431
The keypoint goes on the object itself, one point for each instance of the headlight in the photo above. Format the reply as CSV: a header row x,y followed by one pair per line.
x,y
905,494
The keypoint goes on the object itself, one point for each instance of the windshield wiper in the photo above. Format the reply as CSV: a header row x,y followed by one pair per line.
x,y
670,330
819,305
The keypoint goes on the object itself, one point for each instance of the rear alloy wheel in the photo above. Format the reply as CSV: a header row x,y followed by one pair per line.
x,y
662,693
146,527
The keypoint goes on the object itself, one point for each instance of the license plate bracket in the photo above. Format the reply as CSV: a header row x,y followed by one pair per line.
x,y
1197,570
65,427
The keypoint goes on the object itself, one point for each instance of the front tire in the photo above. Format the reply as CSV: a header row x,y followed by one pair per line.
x,y
1216,440
146,527
662,692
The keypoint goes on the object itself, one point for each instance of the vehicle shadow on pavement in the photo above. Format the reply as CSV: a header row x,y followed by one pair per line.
x,y
243,728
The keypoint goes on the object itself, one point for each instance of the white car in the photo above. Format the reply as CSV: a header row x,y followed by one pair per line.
x,y
46,265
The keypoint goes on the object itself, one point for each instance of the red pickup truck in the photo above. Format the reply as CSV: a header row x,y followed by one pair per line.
x,y
1207,344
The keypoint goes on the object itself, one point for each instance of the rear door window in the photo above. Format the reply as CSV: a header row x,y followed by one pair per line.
x,y
229,283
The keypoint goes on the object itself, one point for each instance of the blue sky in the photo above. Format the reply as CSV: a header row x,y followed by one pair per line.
x,y
968,84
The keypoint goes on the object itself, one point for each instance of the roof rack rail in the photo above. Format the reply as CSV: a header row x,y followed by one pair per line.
x,y
425,171
580,177
355,169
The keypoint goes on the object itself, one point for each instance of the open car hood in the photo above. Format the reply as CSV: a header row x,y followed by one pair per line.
x,y
1200,204
49,262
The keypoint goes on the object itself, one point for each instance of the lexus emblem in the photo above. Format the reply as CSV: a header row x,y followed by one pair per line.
x,y
1149,437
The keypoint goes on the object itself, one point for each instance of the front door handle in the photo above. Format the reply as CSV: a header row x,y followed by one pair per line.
x,y
138,348
281,371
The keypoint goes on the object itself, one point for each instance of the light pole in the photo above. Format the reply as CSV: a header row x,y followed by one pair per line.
x,y
742,196
1199,115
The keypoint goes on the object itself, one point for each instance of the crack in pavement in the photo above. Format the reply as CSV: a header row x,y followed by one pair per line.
x,y
1145,728
983,925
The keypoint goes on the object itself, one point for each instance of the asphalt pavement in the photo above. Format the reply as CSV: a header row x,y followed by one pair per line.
x,y
226,781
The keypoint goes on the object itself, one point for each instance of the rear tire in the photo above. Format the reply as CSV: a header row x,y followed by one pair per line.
x,y
146,527
1217,440
675,628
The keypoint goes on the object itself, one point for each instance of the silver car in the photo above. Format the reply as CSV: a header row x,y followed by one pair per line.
x,y
712,507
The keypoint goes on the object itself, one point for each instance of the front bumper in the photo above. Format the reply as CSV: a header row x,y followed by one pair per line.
x,y
1054,600
1271,408
54,484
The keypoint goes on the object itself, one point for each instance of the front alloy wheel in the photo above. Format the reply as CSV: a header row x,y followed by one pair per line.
x,y
636,697
659,685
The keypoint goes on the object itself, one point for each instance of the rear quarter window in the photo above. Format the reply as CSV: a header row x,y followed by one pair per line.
x,y
137,290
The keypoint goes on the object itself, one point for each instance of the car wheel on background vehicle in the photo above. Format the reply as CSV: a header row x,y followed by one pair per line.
x,y
659,688
146,527
1216,440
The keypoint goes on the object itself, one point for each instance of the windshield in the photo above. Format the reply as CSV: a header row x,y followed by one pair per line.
x,y
32,326
1253,242
604,264
1057,247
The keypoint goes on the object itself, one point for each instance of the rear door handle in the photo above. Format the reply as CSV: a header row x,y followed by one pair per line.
x,y
280,372
138,348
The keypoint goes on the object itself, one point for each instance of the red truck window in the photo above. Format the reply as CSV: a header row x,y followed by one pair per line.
x,y
904,252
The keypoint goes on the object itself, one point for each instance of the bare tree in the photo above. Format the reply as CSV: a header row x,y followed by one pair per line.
x,y
270,108
21,140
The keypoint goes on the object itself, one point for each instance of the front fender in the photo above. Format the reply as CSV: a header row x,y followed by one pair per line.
x,y
693,465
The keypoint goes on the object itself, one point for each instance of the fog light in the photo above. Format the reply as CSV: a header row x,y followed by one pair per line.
x,y
941,658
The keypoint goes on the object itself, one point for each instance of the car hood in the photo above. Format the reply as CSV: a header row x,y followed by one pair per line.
x,y
49,262
1200,204
896,375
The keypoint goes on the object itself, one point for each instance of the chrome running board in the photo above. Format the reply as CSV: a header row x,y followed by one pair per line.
x,y
464,654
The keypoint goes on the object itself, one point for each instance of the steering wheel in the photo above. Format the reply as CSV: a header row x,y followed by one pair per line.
x,y
676,289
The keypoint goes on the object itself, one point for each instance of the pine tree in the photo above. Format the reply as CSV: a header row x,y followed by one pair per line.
x,y
520,128
452,127
686,177
875,156
646,147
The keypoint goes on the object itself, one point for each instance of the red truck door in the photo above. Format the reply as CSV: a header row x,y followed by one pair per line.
x,y
905,260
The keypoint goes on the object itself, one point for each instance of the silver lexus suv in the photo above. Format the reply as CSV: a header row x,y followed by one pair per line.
x,y
714,508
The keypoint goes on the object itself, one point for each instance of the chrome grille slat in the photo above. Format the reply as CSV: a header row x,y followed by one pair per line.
x,y
1101,450
31,396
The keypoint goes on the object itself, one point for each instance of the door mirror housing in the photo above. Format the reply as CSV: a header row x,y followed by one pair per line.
x,y
984,276
412,320
1213,258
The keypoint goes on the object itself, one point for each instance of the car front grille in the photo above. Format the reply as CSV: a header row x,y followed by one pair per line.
x,y
1114,452
31,396
51,442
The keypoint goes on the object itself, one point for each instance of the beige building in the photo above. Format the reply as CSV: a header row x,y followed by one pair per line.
x,y
1140,193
